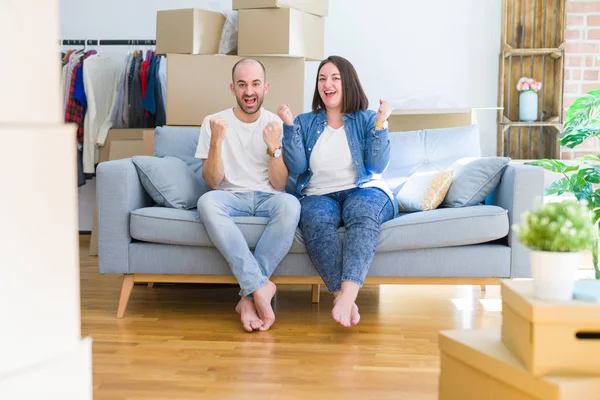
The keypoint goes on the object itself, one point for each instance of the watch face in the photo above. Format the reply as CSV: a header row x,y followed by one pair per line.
x,y
277,153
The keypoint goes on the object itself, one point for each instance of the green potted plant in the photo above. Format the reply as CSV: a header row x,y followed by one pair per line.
x,y
556,233
582,122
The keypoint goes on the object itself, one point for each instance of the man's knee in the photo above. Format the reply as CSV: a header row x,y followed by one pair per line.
x,y
288,206
208,203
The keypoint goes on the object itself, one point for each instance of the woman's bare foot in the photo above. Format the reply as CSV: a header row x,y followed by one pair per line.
x,y
354,316
345,310
248,315
343,305
262,301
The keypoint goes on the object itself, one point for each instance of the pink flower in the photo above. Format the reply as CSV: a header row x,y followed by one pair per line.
x,y
530,81
539,85
525,86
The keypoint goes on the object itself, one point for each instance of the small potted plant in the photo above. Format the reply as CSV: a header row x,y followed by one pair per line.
x,y
528,99
556,233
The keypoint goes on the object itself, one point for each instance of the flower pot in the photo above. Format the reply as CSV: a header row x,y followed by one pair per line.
x,y
554,274
528,106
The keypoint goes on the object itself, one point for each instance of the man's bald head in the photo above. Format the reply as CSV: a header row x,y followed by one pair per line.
x,y
245,62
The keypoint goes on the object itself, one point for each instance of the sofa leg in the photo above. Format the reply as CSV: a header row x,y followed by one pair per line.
x,y
482,288
126,289
150,285
316,293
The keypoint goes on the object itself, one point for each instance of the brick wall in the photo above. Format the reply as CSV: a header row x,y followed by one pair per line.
x,y
582,69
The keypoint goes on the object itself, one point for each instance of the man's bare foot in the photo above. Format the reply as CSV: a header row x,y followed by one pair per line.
x,y
248,315
262,301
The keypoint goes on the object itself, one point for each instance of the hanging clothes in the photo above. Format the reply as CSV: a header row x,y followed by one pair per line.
x,y
101,80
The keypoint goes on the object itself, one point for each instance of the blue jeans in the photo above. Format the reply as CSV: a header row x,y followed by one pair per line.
x,y
252,271
362,211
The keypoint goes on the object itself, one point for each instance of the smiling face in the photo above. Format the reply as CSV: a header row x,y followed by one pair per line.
x,y
249,86
330,86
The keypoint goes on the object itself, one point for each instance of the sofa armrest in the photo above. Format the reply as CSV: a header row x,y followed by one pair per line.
x,y
519,187
118,191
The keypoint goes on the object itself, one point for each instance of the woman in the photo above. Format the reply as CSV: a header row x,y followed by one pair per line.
x,y
334,153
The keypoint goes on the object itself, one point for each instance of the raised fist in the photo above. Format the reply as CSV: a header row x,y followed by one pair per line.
x,y
218,128
272,135
285,114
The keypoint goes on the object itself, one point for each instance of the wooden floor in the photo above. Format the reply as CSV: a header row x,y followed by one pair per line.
x,y
185,341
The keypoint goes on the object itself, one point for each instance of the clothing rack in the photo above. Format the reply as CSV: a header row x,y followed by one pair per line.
x,y
109,42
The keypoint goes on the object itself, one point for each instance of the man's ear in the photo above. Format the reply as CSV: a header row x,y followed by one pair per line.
x,y
267,86
231,88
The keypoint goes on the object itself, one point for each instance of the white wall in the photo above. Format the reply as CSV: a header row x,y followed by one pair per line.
x,y
416,54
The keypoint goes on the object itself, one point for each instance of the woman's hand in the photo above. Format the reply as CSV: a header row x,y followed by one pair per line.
x,y
385,109
285,114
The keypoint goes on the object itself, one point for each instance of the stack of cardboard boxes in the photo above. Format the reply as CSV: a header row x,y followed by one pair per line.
x,y
544,351
282,34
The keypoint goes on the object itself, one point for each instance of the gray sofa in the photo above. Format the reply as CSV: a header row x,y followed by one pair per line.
x,y
468,245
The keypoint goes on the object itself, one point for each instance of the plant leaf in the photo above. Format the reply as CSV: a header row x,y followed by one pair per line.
x,y
590,157
559,187
591,175
553,165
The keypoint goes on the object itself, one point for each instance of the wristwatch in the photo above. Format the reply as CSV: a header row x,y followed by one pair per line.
x,y
381,125
275,153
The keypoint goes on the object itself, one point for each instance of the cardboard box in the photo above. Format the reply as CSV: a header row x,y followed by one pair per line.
x,y
404,120
475,365
188,31
198,86
317,7
281,31
550,337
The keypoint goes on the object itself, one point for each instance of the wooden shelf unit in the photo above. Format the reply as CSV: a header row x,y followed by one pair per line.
x,y
532,45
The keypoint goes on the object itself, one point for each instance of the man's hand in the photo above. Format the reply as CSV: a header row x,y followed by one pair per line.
x,y
285,114
218,129
385,109
272,135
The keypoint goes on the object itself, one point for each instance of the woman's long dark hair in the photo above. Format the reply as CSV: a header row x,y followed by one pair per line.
x,y
354,98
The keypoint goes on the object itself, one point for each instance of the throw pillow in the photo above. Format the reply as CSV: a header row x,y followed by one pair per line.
x,y
474,180
169,181
424,191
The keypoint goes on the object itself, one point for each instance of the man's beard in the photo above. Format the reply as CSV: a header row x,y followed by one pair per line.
x,y
248,109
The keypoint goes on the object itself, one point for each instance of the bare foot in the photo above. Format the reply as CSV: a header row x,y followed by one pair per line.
x,y
248,315
344,310
354,316
262,301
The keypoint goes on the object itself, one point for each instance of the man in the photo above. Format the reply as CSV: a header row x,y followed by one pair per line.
x,y
242,155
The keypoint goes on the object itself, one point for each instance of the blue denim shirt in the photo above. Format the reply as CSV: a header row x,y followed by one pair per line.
x,y
370,149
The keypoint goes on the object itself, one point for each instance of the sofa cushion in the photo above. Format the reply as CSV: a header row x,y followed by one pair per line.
x,y
180,143
419,230
474,180
424,191
428,150
169,181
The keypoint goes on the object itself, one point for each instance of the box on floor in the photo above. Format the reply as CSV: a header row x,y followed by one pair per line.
x,y
281,31
475,365
317,7
198,86
550,337
188,31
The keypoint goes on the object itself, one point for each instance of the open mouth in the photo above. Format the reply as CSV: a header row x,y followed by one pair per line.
x,y
250,101
329,94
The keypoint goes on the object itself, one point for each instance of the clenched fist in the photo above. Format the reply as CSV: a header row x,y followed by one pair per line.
x,y
218,129
272,135
285,114
385,109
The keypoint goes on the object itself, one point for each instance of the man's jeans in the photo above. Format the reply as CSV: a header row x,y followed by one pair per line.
x,y
362,211
216,210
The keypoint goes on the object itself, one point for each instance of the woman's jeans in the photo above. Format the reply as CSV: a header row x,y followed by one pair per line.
x,y
362,211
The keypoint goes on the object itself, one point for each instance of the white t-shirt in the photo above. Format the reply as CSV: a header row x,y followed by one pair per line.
x,y
244,152
331,163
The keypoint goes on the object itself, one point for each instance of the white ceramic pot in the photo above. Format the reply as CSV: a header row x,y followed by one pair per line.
x,y
554,274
